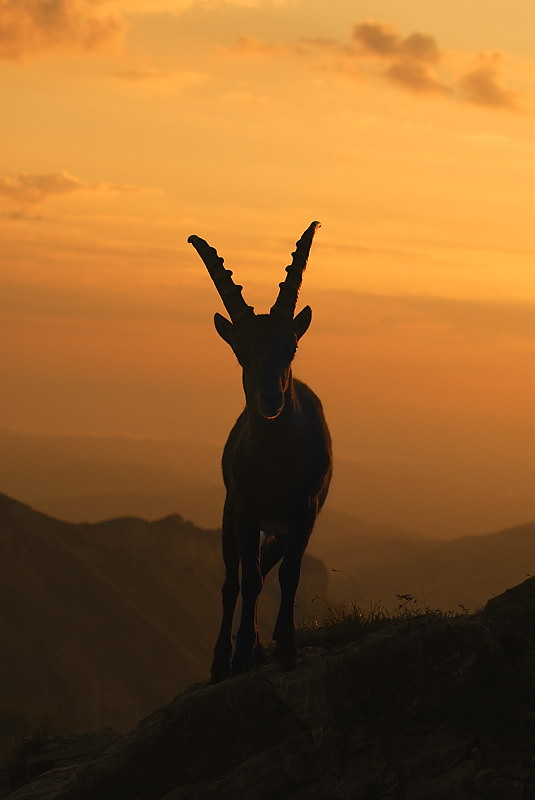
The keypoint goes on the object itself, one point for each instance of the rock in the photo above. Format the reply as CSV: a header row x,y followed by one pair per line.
x,y
31,759
505,789
428,708
450,785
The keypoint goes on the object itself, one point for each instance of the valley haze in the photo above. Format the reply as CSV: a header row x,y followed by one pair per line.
x,y
90,478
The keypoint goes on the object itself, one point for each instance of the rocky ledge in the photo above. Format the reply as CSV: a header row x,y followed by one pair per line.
x,y
428,708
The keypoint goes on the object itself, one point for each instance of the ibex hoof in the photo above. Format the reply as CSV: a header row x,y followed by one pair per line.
x,y
221,662
219,672
259,654
286,652
242,662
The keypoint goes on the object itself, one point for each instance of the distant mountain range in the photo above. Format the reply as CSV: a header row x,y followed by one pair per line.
x,y
465,572
85,478
100,623
368,562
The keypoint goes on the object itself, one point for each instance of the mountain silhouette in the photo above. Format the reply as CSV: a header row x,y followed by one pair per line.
x,y
374,568
100,623
368,562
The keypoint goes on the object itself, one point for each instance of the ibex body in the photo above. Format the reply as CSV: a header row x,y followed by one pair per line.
x,y
277,462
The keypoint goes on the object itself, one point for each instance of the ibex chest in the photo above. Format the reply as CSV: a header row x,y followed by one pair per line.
x,y
272,479
274,470
276,466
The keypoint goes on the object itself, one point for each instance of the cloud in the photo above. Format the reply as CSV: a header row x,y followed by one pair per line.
x,y
474,318
29,189
31,26
176,77
382,40
20,214
25,191
482,85
414,76
410,59
420,47
142,75
428,317
243,98
250,46
179,6
377,38
414,63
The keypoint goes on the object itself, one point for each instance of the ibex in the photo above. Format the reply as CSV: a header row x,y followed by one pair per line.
x,y
277,462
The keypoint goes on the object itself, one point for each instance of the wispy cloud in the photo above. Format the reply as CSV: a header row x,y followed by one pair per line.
x,y
30,189
430,317
178,6
153,76
28,27
243,98
251,46
414,62
142,75
22,193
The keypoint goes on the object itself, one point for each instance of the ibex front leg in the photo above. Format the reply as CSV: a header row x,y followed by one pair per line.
x,y
229,595
251,585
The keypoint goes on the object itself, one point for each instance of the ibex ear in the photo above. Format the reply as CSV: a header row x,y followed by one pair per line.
x,y
224,328
302,321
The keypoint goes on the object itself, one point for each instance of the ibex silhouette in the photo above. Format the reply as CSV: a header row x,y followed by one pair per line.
x,y
277,462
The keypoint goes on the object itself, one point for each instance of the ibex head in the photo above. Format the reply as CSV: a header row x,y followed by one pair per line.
x,y
264,344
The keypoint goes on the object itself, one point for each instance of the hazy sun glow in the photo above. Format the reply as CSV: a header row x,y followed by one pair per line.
x,y
407,130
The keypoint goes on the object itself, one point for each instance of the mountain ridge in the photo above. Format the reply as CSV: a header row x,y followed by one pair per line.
x,y
100,623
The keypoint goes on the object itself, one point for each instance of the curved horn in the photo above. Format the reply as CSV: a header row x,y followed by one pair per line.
x,y
289,288
229,291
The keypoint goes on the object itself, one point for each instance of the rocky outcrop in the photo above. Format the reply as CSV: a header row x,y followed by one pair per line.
x,y
37,753
427,708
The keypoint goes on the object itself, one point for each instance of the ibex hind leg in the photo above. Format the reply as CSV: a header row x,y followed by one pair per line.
x,y
289,574
229,595
259,653
271,552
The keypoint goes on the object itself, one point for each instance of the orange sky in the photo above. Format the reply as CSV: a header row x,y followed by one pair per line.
x,y
407,130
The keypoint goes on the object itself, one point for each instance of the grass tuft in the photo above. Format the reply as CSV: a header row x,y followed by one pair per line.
x,y
340,623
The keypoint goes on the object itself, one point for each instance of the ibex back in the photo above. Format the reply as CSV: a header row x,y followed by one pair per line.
x,y
277,462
